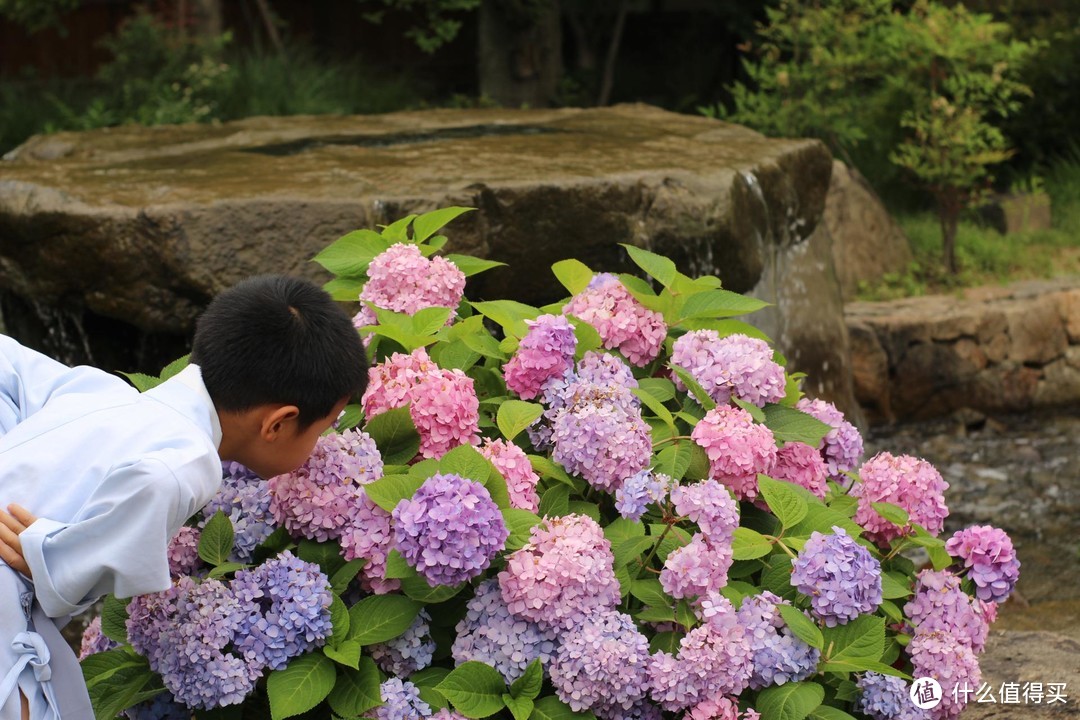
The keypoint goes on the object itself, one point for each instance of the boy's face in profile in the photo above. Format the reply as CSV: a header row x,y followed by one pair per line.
x,y
292,446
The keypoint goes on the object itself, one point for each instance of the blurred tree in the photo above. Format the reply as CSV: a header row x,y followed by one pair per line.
x,y
36,15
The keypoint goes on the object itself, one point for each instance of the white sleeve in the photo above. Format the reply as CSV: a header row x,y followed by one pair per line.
x,y
28,380
120,546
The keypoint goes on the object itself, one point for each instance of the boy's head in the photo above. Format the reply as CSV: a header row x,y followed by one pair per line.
x,y
279,358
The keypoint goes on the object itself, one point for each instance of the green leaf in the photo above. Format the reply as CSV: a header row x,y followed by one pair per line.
x,y
482,343
552,708
430,320
469,265
667,641
454,355
699,463
397,567
350,417
657,266
350,255
802,626
844,667
395,435
426,225
339,581
347,653
622,529
860,641
530,683
650,592
327,555
718,304
630,549
398,230
548,468
226,568
345,289
657,408
776,578
749,544
894,585
520,524
216,540
520,708
114,679
475,689
828,712
141,381
685,616
660,388
583,507
516,415
339,620
791,425
114,617
574,275
466,461
756,413
586,336
676,538
656,614
509,314
174,368
379,618
418,589
695,387
893,513
786,504
790,701
356,691
555,501
301,686
387,492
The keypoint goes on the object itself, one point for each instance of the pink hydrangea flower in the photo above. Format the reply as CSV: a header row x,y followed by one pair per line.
x,y
624,324
801,464
733,366
442,403
184,552
369,535
564,574
721,708
950,662
696,570
711,506
546,352
939,605
738,449
902,480
842,447
403,280
989,560
513,464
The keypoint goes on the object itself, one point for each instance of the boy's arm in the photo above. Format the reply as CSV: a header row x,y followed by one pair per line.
x,y
12,524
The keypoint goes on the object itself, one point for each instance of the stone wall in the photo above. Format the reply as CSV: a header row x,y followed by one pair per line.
x,y
1007,349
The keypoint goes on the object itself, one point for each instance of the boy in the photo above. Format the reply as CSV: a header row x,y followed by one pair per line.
x,y
110,474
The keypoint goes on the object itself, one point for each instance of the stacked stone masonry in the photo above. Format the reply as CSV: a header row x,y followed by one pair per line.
x,y
1001,349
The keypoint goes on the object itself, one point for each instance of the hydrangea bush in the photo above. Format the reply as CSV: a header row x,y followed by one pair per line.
x,y
618,506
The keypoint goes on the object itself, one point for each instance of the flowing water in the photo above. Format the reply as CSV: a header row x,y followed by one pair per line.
x,y
1020,473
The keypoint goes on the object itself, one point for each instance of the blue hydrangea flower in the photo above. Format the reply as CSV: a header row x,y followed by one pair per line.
x,y
490,634
635,493
450,529
401,701
291,600
778,655
602,664
408,652
887,698
840,576
245,498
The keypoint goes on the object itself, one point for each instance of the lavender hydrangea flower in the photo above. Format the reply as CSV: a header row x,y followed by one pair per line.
x,y
842,447
401,701
953,664
245,498
733,366
605,369
940,605
698,569
738,449
408,652
546,351
641,710
450,529
291,601
884,697
93,640
564,575
183,552
602,664
710,505
635,493
162,706
489,633
368,535
841,577
989,560
903,480
778,655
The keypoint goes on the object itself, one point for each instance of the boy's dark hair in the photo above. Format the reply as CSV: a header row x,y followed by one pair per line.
x,y
279,339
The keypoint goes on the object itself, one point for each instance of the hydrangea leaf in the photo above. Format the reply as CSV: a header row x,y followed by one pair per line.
x,y
546,467
650,592
474,689
666,642
398,231
588,509
894,585
225,568
456,355
356,691
345,289
695,388
340,579
552,708
658,267
530,683
470,265
828,712
509,315
174,368
893,513
350,417
388,491
630,549
347,653
574,275
397,567
327,555
114,619
379,618
350,255
395,435
788,506
656,406
520,524
516,415
339,620
860,641
302,685
660,388
435,243
791,425
844,667
141,381
621,529
555,501
114,678
430,320
521,708
790,701
749,544
718,304
663,614
216,540
418,589
426,225
777,577
675,459
802,626
466,461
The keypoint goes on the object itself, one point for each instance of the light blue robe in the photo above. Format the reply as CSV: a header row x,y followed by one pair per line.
x,y
112,475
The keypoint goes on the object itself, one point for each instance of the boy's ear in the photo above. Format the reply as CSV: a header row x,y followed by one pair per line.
x,y
276,419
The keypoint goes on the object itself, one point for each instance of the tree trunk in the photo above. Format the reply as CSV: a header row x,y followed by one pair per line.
x,y
608,80
949,213
520,59
209,18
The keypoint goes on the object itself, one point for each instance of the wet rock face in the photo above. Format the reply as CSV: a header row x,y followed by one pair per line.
x,y
145,225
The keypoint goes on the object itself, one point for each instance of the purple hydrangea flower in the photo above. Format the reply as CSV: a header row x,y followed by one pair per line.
x,y
885,697
902,480
546,351
733,366
738,449
952,664
450,529
408,652
841,577
642,710
599,368
603,443
989,560
93,640
698,569
245,498
401,701
635,493
183,552
602,663
939,605
162,706
710,505
368,535
842,447
489,633
564,575
779,656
